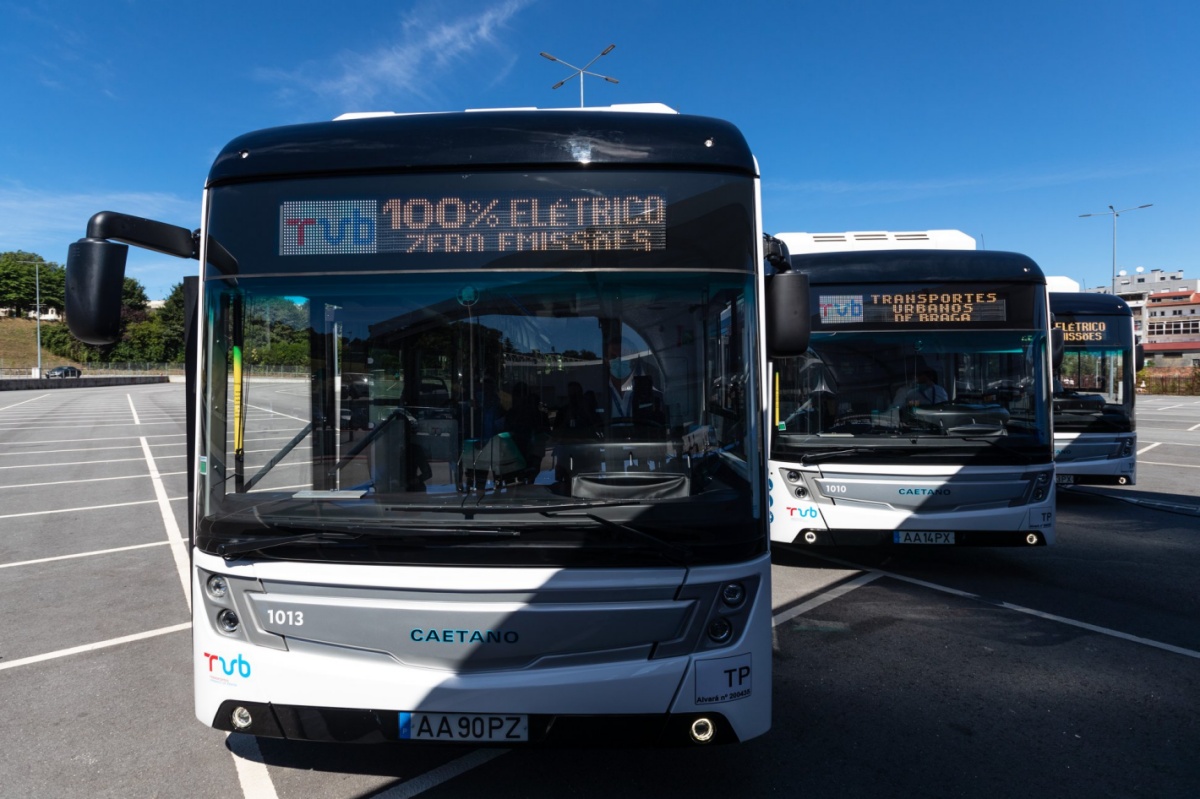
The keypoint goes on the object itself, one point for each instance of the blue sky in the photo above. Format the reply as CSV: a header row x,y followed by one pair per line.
x,y
1004,120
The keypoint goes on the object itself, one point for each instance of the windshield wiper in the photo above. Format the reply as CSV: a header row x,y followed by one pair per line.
x,y
354,529
673,552
1004,446
231,549
977,430
818,457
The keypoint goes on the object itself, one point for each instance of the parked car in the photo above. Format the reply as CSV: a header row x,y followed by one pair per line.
x,y
64,371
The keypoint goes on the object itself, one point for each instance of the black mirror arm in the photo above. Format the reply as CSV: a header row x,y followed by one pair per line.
x,y
157,236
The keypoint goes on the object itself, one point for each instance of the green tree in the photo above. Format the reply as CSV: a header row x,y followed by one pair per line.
x,y
172,317
142,342
22,274
276,332
58,339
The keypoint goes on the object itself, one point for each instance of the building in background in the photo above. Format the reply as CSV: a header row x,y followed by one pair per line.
x,y
1166,314
1172,328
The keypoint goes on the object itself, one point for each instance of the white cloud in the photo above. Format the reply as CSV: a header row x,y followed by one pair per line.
x,y
434,41
46,223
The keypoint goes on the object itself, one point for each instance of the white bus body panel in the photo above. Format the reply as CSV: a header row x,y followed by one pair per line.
x,y
799,243
300,672
1082,455
895,497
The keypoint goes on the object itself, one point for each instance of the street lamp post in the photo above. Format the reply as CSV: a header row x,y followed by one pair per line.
x,y
581,71
37,313
1114,213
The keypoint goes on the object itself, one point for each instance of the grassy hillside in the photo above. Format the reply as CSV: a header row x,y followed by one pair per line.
x,y
18,349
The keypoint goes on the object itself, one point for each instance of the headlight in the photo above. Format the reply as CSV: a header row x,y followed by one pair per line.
x,y
227,621
218,587
733,594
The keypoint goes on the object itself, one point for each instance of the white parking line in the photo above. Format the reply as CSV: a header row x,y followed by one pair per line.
x,y
23,402
92,554
456,768
138,447
821,599
277,413
58,425
75,650
41,442
132,409
91,414
1162,463
252,773
88,508
1178,650
441,774
251,770
81,463
178,550
1147,449
72,482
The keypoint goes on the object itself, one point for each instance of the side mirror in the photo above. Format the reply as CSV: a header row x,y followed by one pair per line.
x,y
95,280
1057,347
788,320
1139,357
776,253
96,269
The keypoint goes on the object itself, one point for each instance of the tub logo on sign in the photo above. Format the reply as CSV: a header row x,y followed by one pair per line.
x,y
808,512
841,309
327,227
222,670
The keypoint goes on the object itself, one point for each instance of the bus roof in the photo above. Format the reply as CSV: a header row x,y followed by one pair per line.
x,y
917,266
1078,303
877,240
1062,283
639,108
505,139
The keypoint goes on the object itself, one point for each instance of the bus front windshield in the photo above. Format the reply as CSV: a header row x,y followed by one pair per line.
x,y
1094,385
503,408
938,394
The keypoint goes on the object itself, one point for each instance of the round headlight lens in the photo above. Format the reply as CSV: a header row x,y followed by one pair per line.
x,y
720,630
733,594
227,621
241,718
218,587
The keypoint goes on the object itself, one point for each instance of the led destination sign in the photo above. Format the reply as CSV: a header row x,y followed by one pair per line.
x,y
912,308
1084,332
500,223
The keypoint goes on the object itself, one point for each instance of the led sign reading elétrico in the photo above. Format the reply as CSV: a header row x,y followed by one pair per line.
x,y
1083,332
912,308
499,223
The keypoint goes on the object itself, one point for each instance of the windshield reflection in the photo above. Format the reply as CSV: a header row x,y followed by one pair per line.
x,y
921,389
428,391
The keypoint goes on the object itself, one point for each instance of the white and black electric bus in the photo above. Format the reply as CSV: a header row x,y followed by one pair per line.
x,y
1095,438
921,412
480,450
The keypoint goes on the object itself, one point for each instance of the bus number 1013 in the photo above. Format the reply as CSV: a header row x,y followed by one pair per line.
x,y
286,618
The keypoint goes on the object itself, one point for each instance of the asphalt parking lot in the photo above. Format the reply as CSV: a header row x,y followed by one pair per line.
x,y
1072,670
